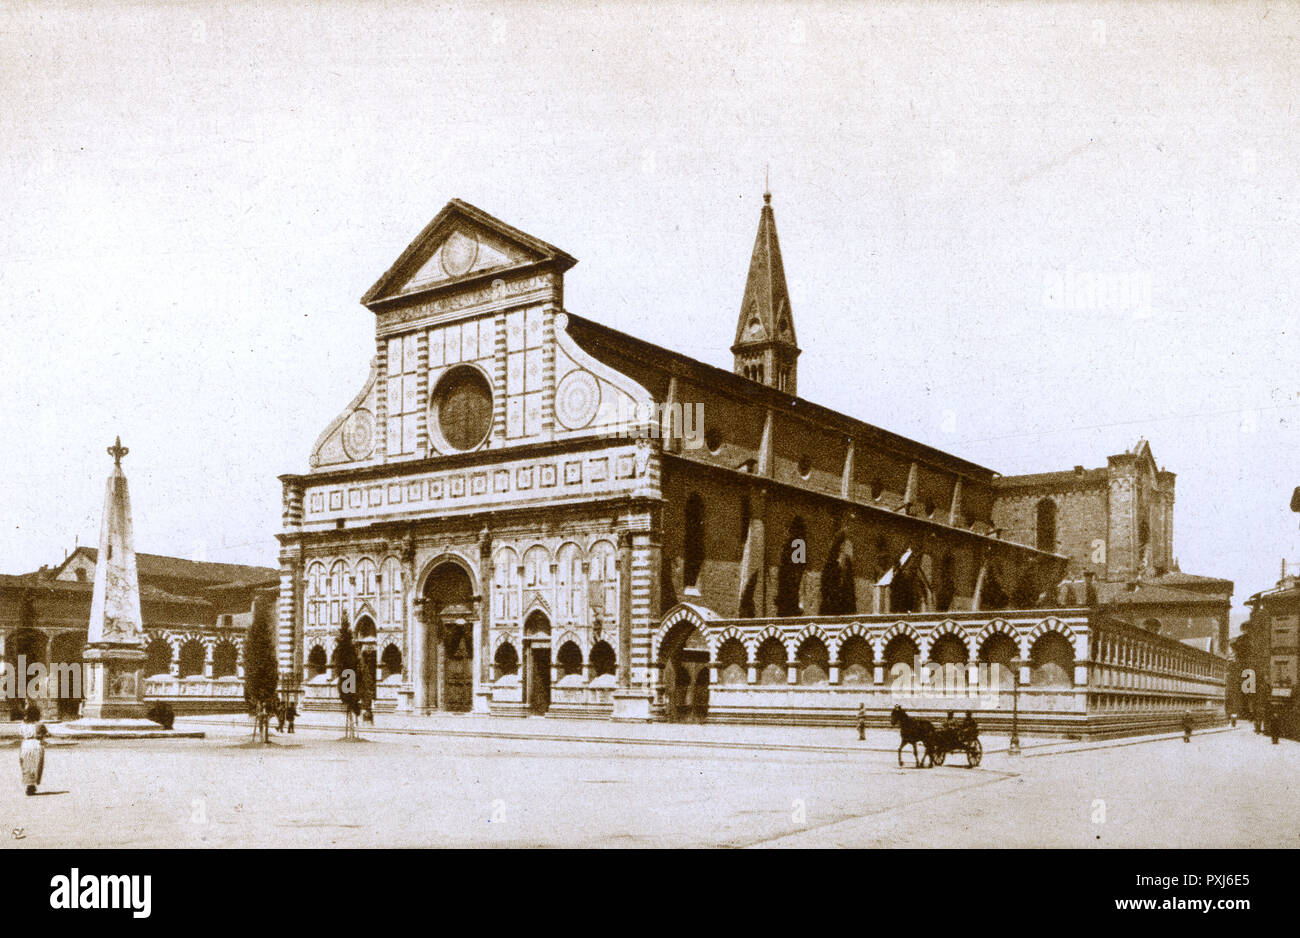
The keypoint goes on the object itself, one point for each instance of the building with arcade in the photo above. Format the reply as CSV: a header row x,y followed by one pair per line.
x,y
524,511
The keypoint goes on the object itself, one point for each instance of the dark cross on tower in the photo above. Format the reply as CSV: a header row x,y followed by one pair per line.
x,y
117,451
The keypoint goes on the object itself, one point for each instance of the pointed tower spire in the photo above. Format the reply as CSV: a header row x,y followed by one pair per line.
x,y
765,349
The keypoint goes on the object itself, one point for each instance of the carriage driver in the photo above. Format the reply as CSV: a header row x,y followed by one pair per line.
x,y
969,728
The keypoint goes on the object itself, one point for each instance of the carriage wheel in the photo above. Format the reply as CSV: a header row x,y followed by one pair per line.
x,y
974,752
938,756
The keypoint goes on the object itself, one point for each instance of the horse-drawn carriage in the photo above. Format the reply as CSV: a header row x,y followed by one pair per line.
x,y
937,741
957,737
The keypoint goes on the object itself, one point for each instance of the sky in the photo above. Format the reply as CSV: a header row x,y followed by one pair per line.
x,y
1027,234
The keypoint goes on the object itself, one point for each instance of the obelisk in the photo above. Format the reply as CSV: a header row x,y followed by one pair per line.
x,y
114,655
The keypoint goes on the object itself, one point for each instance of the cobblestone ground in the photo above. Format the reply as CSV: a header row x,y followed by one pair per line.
x,y
1229,789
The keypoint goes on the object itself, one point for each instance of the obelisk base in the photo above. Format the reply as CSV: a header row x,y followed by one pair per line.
x,y
114,682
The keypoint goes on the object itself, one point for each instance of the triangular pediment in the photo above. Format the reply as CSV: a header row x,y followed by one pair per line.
x,y
462,243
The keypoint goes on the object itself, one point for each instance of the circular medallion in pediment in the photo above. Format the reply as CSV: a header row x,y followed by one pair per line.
x,y
359,434
577,399
459,252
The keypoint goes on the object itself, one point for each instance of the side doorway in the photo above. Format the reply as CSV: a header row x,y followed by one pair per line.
x,y
537,663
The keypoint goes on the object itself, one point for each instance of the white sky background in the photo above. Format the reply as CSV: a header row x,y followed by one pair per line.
x,y
196,195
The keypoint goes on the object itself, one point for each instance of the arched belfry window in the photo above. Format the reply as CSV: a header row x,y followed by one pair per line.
x,y
693,531
1046,539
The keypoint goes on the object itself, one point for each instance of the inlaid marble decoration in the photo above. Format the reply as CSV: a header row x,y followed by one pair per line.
x,y
577,399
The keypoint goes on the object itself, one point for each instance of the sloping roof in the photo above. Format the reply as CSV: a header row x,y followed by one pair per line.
x,y
1177,577
157,565
148,592
1064,477
1118,594
602,335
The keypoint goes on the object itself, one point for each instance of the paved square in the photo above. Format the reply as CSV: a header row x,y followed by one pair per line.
x,y
1230,789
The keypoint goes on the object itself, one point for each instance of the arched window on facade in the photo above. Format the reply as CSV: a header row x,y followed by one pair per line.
x,y
789,577
771,661
856,661
1051,661
602,583
812,661
602,659
505,661
157,658
339,591
999,652
366,570
1046,525
317,661
733,662
900,650
390,662
225,660
317,602
537,569
693,539
569,592
505,586
191,658
569,659
391,595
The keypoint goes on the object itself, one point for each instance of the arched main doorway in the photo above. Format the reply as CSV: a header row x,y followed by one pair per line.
x,y
448,613
684,657
537,662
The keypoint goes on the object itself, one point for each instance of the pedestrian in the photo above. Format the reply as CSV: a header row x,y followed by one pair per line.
x,y
1233,717
291,713
1187,726
31,753
279,717
862,721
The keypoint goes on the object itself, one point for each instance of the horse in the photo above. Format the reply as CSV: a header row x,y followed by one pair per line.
x,y
913,731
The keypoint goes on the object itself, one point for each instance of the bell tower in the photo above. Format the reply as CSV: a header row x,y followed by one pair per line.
x,y
765,349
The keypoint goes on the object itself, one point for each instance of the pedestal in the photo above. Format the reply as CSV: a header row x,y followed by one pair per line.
x,y
632,706
114,682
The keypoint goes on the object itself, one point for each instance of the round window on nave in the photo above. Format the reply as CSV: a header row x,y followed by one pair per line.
x,y
463,407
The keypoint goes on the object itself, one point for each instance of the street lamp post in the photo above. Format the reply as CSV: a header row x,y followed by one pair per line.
x,y
1013,748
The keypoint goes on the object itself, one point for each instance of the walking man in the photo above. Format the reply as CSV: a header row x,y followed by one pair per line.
x,y
1187,726
862,721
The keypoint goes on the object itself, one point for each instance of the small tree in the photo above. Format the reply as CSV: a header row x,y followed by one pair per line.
x,y
260,670
348,677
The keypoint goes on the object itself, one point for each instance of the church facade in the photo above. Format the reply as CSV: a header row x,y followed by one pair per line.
x,y
525,511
